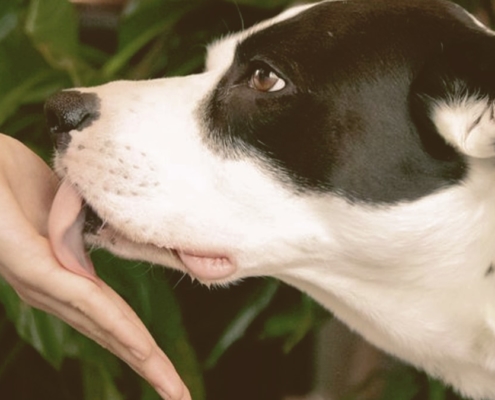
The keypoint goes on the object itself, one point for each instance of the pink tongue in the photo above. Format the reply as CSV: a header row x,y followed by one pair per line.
x,y
65,225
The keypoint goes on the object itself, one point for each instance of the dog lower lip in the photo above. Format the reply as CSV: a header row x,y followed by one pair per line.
x,y
207,267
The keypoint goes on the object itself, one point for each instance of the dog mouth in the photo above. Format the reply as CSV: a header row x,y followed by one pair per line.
x,y
71,218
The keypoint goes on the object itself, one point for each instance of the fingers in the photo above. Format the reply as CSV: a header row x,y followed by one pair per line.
x,y
132,343
97,311
129,335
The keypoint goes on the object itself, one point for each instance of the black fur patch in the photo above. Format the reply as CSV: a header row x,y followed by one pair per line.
x,y
351,119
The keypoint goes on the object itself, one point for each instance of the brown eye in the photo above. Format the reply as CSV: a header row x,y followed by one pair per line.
x,y
265,80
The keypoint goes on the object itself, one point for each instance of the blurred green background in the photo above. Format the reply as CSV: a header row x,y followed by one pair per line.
x,y
252,341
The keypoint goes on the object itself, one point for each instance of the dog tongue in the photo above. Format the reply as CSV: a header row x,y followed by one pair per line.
x,y
65,226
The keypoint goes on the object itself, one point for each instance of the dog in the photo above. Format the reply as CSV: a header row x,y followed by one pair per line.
x,y
346,148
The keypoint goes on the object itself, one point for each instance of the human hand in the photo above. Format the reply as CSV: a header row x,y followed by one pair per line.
x,y
27,263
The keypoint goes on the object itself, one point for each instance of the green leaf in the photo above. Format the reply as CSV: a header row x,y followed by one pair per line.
x,y
436,390
52,26
22,74
9,19
294,323
44,332
24,92
103,387
254,305
401,384
140,25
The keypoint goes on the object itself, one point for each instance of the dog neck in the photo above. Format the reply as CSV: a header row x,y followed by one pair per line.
x,y
430,260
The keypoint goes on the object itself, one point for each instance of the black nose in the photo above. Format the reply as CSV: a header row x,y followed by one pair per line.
x,y
68,111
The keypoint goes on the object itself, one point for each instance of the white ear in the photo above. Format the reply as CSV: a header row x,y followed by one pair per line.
x,y
468,124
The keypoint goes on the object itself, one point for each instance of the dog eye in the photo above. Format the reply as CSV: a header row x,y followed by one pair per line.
x,y
265,80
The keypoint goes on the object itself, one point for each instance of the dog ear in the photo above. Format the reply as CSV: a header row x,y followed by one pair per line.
x,y
455,94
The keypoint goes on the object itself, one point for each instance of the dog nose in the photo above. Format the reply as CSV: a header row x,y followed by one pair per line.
x,y
67,111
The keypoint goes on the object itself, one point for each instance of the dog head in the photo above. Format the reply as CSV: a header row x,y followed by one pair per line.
x,y
344,147
254,164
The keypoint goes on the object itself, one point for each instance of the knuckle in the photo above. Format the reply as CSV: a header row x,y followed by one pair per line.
x,y
29,297
86,300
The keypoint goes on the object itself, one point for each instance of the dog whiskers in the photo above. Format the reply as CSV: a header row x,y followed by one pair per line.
x,y
240,15
180,280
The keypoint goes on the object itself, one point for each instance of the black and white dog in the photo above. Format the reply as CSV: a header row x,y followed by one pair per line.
x,y
346,148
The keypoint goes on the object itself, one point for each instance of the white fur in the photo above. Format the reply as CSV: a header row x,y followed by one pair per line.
x,y
468,124
408,277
